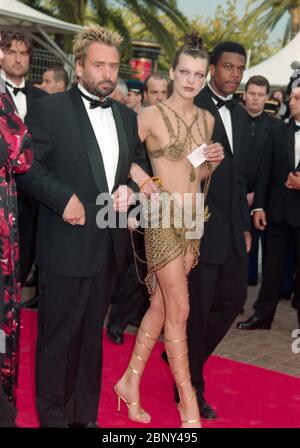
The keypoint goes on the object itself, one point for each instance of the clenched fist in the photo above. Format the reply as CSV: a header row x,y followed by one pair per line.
x,y
74,212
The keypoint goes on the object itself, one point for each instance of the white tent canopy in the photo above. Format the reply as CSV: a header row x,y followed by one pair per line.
x,y
277,69
16,14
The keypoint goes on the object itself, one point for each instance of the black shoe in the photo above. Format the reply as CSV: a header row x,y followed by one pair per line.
x,y
31,304
206,411
115,335
84,425
254,323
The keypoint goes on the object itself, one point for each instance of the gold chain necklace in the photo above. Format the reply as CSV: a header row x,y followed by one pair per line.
x,y
189,135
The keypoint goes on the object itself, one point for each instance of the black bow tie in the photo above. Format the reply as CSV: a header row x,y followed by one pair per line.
x,y
296,127
16,90
96,103
227,103
220,103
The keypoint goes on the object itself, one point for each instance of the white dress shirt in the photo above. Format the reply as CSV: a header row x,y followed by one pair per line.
x,y
104,126
297,145
225,116
20,98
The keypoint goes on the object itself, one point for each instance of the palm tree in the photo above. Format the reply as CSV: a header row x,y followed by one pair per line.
x,y
267,14
109,13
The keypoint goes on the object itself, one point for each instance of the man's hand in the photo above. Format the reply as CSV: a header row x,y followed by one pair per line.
x,y
250,199
293,181
214,153
259,219
122,198
248,241
74,212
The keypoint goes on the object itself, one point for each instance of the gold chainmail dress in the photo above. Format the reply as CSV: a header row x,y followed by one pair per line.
x,y
171,229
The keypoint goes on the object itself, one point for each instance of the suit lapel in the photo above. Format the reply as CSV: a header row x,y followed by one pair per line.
x,y
29,96
123,146
291,145
88,135
219,133
11,98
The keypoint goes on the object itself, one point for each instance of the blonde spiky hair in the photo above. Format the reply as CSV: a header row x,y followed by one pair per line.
x,y
94,33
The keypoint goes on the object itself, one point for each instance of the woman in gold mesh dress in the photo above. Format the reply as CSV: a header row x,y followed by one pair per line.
x,y
172,130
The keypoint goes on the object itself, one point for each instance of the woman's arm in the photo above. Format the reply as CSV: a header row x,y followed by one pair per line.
x,y
137,174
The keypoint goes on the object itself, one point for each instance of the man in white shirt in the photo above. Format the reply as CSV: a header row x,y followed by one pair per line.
x,y
277,206
84,145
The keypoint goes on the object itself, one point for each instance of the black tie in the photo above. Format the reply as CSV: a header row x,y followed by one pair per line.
x,y
227,103
220,103
296,127
16,90
96,103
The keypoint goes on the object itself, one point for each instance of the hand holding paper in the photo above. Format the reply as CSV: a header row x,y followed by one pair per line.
x,y
213,153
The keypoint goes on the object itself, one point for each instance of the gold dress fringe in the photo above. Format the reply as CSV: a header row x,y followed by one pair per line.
x,y
165,240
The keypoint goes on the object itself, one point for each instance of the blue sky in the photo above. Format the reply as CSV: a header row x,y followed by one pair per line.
x,y
206,8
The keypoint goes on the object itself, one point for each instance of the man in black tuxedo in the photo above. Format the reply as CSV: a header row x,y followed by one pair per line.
x,y
277,204
259,124
218,285
18,54
84,146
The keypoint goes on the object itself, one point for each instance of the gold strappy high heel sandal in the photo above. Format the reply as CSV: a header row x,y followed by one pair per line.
x,y
183,358
142,416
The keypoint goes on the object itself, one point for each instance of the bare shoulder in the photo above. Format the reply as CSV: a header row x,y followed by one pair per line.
x,y
208,116
147,121
147,118
148,113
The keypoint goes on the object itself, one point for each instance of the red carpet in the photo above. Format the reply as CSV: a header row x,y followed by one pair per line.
x,y
244,396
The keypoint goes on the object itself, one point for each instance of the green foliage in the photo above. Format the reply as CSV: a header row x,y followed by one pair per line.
x,y
110,13
225,25
267,13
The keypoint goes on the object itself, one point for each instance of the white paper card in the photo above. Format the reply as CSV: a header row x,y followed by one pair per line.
x,y
197,157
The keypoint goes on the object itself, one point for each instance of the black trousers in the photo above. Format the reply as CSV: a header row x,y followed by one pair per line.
x,y
278,237
217,294
69,345
27,225
256,235
131,298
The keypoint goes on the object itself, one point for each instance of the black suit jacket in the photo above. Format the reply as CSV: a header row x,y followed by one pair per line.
x,y
257,145
227,193
279,202
27,206
68,160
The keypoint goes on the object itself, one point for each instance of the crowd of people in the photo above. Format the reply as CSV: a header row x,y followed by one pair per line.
x,y
166,138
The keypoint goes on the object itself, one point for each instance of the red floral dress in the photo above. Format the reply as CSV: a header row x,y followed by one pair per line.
x,y
15,158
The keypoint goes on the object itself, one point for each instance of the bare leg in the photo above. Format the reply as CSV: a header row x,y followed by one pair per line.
x,y
172,280
150,329
173,283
